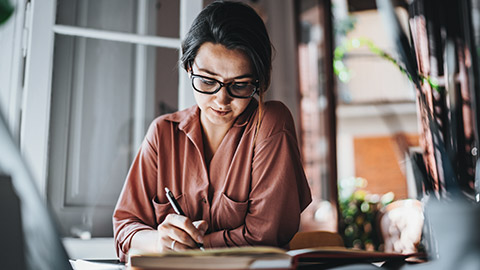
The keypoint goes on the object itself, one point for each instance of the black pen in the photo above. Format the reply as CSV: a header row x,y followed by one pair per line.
x,y
179,211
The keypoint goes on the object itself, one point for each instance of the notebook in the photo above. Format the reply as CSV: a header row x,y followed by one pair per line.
x,y
260,258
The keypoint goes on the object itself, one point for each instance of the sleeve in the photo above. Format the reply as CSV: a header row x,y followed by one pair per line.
x,y
279,191
134,210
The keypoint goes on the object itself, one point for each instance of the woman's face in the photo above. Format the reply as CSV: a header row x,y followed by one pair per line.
x,y
217,62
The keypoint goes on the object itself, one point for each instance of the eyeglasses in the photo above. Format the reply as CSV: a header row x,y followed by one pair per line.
x,y
209,86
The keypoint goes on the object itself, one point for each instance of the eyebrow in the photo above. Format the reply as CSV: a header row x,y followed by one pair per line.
x,y
218,75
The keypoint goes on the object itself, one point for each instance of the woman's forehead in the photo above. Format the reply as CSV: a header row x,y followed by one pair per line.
x,y
217,60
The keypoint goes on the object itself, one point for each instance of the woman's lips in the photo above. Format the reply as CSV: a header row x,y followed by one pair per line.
x,y
221,113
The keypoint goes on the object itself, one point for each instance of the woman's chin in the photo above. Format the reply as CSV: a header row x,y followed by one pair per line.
x,y
220,119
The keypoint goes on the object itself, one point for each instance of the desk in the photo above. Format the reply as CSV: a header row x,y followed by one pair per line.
x,y
116,265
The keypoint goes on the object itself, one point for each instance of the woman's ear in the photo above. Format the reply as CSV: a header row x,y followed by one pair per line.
x,y
189,67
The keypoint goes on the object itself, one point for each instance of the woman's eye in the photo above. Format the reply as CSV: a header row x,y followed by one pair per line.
x,y
208,82
240,85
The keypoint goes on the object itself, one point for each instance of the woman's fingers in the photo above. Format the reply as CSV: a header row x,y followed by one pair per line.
x,y
168,233
181,230
201,225
165,243
177,246
186,225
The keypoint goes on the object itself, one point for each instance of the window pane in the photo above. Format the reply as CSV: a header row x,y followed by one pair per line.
x,y
93,122
121,15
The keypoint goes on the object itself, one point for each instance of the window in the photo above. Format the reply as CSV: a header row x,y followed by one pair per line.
x,y
95,74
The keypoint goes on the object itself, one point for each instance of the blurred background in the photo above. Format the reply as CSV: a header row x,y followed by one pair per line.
x,y
80,81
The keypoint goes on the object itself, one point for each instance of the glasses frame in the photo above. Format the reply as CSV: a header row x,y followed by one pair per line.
x,y
227,86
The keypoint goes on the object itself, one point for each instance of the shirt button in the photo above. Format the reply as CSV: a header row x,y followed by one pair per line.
x,y
203,200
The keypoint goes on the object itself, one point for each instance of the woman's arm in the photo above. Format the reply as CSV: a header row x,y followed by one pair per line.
x,y
145,240
138,212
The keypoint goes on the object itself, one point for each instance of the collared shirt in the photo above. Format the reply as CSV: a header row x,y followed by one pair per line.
x,y
252,193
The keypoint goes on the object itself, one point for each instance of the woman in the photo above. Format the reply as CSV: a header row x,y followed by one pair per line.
x,y
232,162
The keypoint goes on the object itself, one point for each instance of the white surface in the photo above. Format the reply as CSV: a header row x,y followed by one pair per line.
x,y
86,265
96,248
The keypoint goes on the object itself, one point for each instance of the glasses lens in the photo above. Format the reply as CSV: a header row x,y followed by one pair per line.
x,y
242,89
204,84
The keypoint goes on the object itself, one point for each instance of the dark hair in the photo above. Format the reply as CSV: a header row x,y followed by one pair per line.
x,y
236,26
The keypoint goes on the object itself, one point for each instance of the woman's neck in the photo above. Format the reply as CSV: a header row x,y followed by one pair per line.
x,y
212,138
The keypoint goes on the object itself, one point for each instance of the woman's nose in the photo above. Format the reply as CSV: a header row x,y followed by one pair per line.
x,y
222,96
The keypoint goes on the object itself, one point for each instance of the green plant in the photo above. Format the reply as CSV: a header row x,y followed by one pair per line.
x,y
6,10
359,211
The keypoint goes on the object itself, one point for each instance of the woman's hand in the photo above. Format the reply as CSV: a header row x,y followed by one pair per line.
x,y
178,232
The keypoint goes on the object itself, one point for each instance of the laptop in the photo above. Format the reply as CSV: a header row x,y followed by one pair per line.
x,y
28,234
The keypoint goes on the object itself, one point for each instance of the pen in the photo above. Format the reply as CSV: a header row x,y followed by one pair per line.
x,y
179,211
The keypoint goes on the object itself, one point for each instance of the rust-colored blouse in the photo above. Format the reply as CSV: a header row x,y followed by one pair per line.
x,y
251,194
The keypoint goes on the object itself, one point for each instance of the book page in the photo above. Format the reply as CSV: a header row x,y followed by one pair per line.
x,y
230,251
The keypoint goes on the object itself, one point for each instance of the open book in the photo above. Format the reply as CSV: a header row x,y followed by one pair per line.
x,y
257,258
